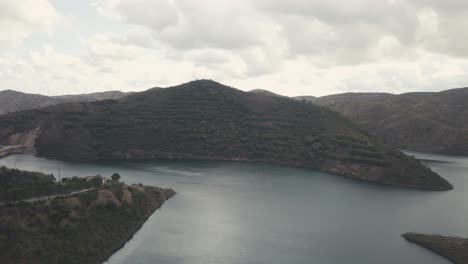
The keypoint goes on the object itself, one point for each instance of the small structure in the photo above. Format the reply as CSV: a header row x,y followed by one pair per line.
x,y
90,178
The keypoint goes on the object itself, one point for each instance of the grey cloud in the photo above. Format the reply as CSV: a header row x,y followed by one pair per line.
x,y
155,14
208,57
187,24
317,46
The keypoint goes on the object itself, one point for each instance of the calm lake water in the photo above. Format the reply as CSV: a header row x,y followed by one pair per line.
x,y
227,212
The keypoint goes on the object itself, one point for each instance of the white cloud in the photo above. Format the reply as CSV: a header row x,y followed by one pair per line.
x,y
18,19
291,47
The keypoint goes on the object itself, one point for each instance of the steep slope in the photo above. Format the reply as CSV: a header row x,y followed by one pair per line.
x,y
84,228
13,101
428,122
207,120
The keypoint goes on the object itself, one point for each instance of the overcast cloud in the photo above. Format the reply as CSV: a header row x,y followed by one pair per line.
x,y
294,47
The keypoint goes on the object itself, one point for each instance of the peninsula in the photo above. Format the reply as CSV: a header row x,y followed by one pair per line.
x,y
207,120
83,227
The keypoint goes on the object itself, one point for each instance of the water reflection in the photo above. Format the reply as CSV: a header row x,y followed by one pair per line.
x,y
228,212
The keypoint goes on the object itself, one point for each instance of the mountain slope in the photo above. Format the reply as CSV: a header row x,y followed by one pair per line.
x,y
92,96
309,98
427,122
264,92
207,120
13,101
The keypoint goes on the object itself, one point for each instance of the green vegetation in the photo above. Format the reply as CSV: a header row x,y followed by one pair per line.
x,y
115,177
85,228
16,185
207,120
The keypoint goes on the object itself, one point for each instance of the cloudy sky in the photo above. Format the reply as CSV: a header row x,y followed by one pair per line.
x,y
294,47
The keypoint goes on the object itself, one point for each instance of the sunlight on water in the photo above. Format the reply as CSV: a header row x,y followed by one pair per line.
x,y
228,212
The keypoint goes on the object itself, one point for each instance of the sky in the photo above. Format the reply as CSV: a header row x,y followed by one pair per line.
x,y
294,47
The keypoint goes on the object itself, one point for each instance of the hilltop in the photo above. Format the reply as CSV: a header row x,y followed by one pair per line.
x,y
265,92
426,122
13,101
207,120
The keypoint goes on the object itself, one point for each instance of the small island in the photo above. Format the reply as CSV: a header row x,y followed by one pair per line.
x,y
452,248
73,226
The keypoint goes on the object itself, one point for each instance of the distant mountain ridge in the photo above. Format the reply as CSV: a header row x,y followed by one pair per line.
x,y
13,101
265,92
207,120
434,122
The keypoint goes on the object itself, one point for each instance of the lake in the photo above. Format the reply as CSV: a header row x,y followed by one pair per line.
x,y
228,212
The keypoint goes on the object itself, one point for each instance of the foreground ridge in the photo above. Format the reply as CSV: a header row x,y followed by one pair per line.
x,y
85,227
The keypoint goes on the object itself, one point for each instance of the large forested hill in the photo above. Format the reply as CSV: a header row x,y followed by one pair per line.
x,y
207,120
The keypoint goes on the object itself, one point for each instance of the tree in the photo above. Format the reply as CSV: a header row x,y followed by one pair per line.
x,y
52,177
115,177
97,182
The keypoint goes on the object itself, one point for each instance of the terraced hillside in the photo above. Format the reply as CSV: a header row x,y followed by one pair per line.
x,y
207,120
427,122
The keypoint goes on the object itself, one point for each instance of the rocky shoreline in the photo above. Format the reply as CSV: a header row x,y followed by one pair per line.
x,y
452,248
169,193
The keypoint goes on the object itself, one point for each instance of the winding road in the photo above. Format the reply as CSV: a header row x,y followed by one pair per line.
x,y
44,198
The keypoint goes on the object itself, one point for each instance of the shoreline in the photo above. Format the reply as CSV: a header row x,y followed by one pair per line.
x,y
172,193
87,228
342,173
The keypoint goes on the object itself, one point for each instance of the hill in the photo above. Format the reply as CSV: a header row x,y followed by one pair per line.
x,y
13,101
18,185
207,120
264,92
83,228
426,122
92,96
306,97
